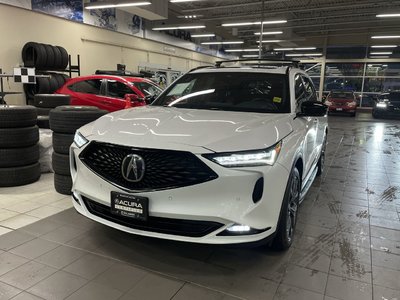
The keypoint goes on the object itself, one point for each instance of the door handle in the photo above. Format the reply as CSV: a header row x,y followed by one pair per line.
x,y
105,102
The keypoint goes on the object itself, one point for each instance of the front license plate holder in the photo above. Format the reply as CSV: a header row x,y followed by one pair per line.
x,y
129,206
339,109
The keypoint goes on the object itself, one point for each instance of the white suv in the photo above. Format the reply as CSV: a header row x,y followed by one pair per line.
x,y
224,155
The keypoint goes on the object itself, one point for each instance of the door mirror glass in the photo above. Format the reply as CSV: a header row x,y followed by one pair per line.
x,y
313,109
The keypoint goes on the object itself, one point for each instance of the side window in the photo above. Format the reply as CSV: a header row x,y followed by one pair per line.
x,y
299,91
311,95
87,86
117,89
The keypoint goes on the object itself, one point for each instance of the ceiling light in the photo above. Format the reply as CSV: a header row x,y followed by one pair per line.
x,y
179,27
242,50
200,35
384,46
385,37
253,23
111,4
381,53
388,15
380,56
303,54
178,1
270,41
250,55
268,33
294,49
223,43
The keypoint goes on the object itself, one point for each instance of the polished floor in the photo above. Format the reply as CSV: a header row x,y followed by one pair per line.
x,y
347,243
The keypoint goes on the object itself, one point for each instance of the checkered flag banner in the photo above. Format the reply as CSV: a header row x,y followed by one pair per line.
x,y
25,75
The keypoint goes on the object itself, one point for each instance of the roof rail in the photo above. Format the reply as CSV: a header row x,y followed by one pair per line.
x,y
200,67
262,61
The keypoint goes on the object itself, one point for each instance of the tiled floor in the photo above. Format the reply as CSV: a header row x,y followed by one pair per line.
x,y
347,244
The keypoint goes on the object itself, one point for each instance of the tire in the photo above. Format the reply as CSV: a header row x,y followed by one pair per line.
x,y
17,116
65,77
67,119
34,55
15,157
16,176
60,80
375,115
64,57
352,114
50,61
53,84
51,100
43,111
57,58
19,137
288,216
60,164
63,184
29,90
42,85
321,160
62,142
43,122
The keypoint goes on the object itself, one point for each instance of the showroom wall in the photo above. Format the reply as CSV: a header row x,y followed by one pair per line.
x,y
98,48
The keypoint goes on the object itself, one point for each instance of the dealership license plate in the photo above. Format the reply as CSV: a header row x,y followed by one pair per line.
x,y
130,206
339,109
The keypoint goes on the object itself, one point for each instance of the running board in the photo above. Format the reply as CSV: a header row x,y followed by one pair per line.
x,y
308,184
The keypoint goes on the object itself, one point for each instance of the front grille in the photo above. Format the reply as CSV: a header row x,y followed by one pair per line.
x,y
164,169
181,227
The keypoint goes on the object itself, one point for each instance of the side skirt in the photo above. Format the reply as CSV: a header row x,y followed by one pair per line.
x,y
308,184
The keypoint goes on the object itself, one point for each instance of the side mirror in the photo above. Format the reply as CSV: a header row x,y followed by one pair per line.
x,y
132,97
313,109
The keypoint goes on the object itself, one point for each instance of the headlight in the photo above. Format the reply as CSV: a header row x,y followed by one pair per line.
x,y
351,103
329,103
381,105
79,139
247,158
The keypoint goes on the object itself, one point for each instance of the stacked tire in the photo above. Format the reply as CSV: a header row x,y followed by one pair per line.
x,y
64,121
19,148
44,57
44,103
44,85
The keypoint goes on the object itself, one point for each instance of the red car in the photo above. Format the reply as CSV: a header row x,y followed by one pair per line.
x,y
109,92
342,101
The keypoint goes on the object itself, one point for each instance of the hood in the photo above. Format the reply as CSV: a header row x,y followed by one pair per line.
x,y
185,129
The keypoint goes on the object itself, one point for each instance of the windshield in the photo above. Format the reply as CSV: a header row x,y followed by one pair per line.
x,y
147,89
342,95
241,91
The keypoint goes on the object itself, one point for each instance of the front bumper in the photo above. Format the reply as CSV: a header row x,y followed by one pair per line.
x,y
345,109
222,202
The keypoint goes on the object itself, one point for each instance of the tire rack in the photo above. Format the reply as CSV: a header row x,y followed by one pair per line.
x,y
70,69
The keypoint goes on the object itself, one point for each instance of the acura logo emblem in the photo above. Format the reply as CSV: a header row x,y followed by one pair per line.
x,y
132,168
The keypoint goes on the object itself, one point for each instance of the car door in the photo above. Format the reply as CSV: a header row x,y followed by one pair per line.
x,y
316,126
86,92
115,94
308,123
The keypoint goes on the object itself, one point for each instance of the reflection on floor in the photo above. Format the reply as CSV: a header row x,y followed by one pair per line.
x,y
347,242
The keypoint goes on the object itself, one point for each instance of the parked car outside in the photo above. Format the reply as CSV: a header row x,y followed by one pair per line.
x,y
224,155
388,105
109,92
342,101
